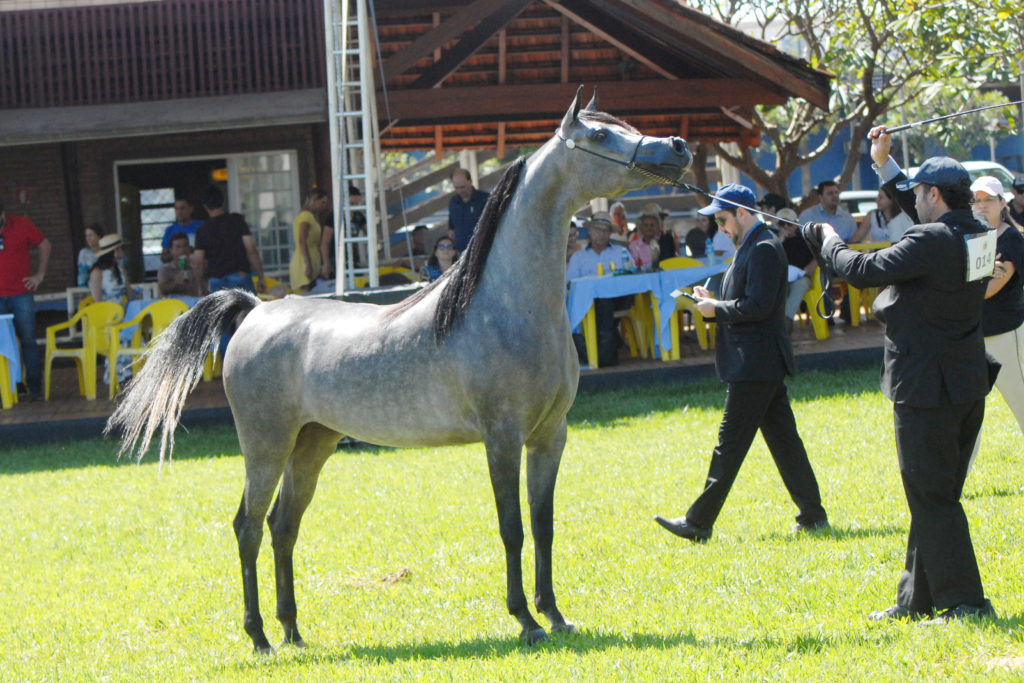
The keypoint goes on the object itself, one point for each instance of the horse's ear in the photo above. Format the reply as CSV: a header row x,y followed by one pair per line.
x,y
574,111
592,104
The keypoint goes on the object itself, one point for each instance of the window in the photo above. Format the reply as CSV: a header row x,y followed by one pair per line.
x,y
156,212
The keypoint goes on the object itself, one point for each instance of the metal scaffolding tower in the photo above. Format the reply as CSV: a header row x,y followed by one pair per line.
x,y
355,141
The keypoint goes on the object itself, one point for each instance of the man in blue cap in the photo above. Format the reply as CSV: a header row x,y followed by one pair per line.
x,y
753,356
935,371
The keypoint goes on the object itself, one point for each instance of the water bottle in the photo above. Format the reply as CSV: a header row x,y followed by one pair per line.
x,y
625,261
709,251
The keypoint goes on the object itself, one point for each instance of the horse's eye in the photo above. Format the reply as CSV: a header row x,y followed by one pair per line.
x,y
598,135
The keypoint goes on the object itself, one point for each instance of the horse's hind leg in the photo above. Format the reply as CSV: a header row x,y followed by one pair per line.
x,y
313,446
264,463
503,460
542,460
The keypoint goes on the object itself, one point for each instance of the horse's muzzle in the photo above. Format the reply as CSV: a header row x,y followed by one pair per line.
x,y
667,157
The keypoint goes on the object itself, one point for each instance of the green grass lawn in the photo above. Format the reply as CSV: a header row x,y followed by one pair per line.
x,y
113,571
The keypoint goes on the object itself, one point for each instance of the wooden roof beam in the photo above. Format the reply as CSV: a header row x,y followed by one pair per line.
x,y
606,35
432,40
756,64
548,100
471,41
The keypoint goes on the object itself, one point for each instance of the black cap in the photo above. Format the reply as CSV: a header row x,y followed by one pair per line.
x,y
940,172
1018,182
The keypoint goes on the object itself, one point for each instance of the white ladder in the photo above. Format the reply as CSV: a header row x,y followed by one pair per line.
x,y
355,140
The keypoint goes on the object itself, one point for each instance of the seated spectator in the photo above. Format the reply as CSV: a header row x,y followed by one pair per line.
x,y
696,240
827,210
574,243
620,226
87,255
108,281
441,259
646,249
773,203
887,223
176,277
801,261
108,278
584,263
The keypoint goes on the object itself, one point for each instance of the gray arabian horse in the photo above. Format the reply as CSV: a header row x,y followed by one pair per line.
x,y
490,338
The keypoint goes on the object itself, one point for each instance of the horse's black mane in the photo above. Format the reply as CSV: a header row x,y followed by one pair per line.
x,y
460,282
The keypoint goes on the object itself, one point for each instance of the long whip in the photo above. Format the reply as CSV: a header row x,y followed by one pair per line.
x,y
915,124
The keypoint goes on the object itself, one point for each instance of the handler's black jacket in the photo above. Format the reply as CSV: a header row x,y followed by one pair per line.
x,y
753,344
934,348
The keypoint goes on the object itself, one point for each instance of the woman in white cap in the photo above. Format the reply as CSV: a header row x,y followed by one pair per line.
x,y
108,279
1002,318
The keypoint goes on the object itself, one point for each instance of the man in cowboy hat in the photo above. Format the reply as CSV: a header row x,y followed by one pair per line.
x,y
601,252
17,284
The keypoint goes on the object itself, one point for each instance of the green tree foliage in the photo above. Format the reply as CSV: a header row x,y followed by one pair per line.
x,y
885,54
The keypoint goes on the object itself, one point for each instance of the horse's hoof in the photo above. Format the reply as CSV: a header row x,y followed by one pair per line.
x,y
298,642
534,636
565,627
263,649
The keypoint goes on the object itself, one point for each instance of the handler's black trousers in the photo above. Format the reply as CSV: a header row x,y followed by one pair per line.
x,y
750,406
934,446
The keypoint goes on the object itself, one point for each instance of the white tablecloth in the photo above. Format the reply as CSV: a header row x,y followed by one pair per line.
x,y
9,348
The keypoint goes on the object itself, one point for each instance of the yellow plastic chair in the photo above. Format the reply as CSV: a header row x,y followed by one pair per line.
x,y
95,319
705,330
811,297
8,397
160,314
863,297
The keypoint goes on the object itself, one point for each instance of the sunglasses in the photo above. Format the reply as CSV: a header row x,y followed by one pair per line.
x,y
445,246
720,221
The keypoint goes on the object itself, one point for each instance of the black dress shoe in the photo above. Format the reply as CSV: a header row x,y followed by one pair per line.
x,y
820,525
680,527
984,610
894,612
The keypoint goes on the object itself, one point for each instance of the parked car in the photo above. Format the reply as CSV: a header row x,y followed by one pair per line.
x,y
858,202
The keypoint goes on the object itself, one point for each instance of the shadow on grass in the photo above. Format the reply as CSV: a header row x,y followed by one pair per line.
x,y
202,443
604,407
580,643
836,533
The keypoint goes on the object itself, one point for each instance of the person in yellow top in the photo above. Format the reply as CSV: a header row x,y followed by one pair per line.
x,y
306,264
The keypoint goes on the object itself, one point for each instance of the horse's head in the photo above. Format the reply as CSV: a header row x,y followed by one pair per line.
x,y
609,142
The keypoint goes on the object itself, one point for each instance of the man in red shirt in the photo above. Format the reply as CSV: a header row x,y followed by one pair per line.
x,y
17,283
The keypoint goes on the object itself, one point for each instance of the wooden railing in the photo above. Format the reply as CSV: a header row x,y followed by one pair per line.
x,y
159,51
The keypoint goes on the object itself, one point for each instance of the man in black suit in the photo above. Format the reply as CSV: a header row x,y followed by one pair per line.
x,y
935,372
753,356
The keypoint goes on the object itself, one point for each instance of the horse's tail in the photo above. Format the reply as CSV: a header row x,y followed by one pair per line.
x,y
174,364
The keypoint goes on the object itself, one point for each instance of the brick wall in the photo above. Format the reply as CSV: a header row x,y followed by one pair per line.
x,y
36,172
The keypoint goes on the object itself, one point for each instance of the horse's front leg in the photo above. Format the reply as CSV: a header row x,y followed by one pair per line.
x,y
542,459
313,446
503,460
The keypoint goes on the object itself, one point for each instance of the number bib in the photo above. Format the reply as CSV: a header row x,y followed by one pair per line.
x,y
981,255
